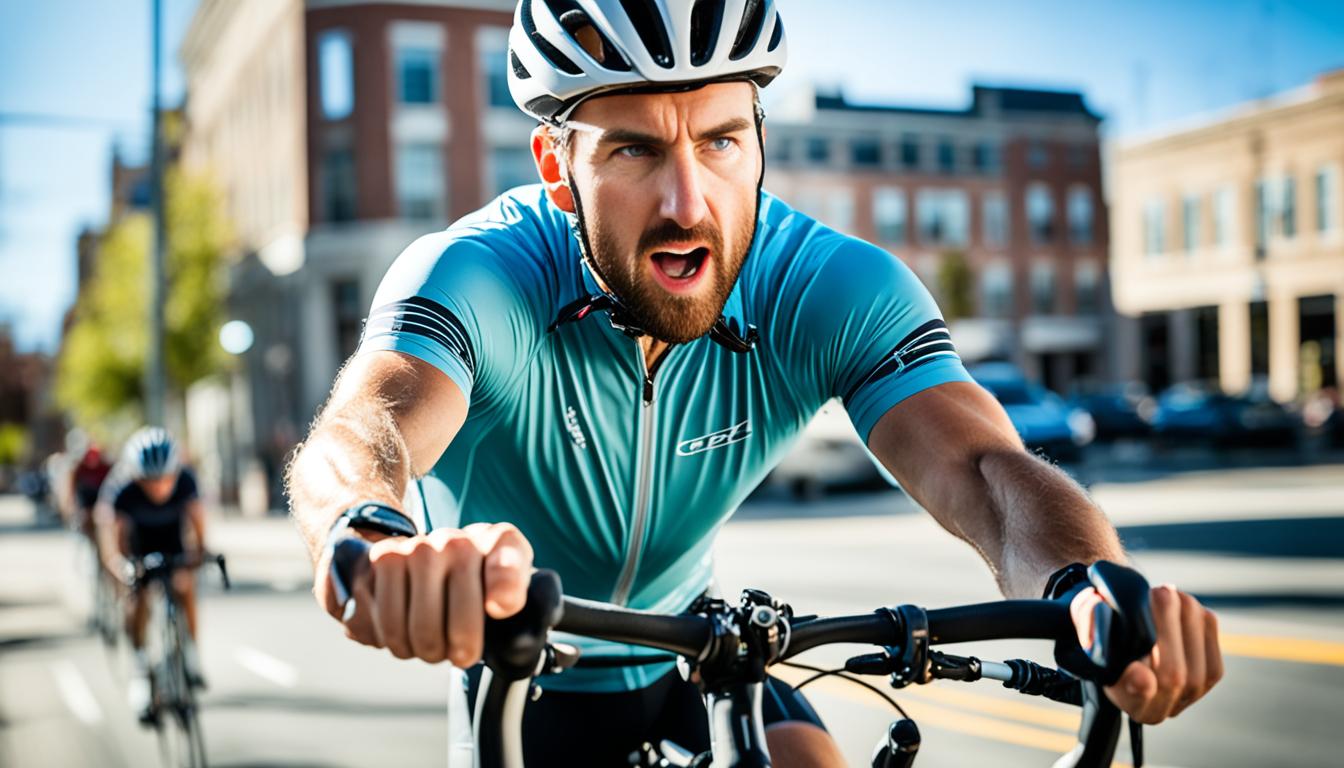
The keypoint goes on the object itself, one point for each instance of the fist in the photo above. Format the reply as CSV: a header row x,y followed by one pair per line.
x,y
1184,665
426,597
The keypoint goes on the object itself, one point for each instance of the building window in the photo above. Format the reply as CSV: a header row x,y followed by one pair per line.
x,y
1043,288
1080,215
889,215
994,219
943,216
1264,215
996,290
818,150
780,149
417,75
1037,155
338,185
1224,216
1087,288
1190,223
1154,228
1040,212
985,157
1288,211
336,78
832,207
511,167
420,182
865,152
947,157
1327,199
492,46
909,151
349,315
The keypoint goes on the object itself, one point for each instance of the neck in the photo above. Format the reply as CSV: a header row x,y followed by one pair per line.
x,y
653,350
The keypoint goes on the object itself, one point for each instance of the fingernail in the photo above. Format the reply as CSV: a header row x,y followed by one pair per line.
x,y
509,557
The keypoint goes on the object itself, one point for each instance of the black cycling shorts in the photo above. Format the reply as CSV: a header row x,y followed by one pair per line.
x,y
565,728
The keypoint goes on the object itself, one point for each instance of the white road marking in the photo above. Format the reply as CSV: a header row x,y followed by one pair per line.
x,y
267,667
76,693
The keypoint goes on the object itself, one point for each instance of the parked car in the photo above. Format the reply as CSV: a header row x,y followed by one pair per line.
x,y
1119,410
1044,421
1200,412
828,454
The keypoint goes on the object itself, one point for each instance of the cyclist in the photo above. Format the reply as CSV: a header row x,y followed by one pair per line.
x,y
590,374
85,482
148,504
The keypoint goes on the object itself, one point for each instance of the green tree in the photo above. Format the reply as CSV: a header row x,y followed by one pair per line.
x,y
101,367
13,444
956,286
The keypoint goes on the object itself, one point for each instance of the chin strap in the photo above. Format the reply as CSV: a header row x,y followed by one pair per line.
x,y
724,332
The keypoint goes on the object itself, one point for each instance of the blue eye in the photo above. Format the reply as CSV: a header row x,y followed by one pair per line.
x,y
721,144
635,150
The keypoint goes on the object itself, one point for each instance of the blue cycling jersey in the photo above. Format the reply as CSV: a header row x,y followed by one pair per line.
x,y
621,482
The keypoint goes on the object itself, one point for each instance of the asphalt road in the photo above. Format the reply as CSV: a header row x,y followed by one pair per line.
x,y
1264,547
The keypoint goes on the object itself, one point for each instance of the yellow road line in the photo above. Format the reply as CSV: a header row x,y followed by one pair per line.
x,y
1299,649
1065,719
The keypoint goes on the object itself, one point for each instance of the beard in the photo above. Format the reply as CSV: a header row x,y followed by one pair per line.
x,y
667,316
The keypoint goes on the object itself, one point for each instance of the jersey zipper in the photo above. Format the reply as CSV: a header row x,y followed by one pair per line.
x,y
643,481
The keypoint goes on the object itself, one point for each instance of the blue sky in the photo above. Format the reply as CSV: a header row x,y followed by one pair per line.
x,y
1142,63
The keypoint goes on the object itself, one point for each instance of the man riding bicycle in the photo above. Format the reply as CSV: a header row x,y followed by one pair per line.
x,y
149,503
591,374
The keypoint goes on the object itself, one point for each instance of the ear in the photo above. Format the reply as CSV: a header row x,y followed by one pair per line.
x,y
547,157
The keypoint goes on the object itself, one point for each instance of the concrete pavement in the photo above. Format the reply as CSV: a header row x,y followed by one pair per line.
x,y
288,690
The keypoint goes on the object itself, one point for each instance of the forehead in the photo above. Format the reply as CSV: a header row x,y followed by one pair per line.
x,y
667,113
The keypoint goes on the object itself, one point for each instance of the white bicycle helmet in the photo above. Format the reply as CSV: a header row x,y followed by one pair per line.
x,y
151,452
564,51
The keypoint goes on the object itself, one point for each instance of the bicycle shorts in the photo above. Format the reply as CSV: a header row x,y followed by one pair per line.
x,y
602,729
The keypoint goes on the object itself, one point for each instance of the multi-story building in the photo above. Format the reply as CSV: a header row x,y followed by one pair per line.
x,y
1009,187
340,131
1229,245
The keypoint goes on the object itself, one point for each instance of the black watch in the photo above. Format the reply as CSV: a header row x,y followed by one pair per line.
x,y
373,516
1063,581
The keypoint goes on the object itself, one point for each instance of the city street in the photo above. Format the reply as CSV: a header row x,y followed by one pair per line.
x,y
1263,546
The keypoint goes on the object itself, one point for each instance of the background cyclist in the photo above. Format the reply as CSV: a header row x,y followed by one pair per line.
x,y
150,504
498,381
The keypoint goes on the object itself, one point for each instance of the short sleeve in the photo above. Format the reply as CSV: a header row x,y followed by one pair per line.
x,y
187,489
449,301
887,339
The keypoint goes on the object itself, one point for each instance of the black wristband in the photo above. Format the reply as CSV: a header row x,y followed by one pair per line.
x,y
1063,581
376,517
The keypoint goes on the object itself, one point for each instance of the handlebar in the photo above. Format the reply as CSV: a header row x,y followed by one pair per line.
x,y
155,566
732,646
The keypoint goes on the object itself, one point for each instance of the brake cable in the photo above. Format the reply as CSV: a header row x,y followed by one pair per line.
x,y
843,675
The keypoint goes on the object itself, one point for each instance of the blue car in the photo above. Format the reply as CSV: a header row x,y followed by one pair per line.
x,y
1042,418
1199,412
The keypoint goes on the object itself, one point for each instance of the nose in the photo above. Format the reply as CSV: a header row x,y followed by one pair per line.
x,y
683,199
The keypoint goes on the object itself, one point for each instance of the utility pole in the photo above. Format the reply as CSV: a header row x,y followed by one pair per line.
x,y
155,378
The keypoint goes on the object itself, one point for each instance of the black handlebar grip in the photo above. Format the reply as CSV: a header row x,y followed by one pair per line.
x,y
513,646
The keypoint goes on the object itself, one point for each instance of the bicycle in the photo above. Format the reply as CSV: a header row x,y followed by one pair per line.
x,y
172,691
730,646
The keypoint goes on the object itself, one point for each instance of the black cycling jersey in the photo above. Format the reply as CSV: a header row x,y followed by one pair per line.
x,y
156,527
583,728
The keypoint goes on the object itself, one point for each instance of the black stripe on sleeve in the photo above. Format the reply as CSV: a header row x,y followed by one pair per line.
x,y
926,343
426,318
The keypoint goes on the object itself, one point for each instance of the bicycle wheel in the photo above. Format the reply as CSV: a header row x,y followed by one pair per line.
x,y
180,734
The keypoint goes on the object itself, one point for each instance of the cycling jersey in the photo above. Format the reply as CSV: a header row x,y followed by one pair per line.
x,y
621,481
154,527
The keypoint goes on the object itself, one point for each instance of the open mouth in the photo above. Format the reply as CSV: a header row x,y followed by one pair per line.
x,y
680,265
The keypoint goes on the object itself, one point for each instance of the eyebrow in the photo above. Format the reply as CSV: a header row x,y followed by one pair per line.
x,y
627,136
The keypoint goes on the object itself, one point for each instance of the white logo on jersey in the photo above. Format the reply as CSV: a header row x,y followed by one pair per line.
x,y
734,434
572,426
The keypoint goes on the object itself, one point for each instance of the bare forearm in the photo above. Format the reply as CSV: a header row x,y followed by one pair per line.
x,y
356,454
1043,521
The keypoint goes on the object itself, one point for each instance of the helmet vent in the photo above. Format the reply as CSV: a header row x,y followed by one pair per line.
x,y
648,22
753,19
586,34
706,18
557,59
777,35
519,71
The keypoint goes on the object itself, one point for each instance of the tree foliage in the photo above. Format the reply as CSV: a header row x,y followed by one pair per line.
x,y
956,286
100,373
